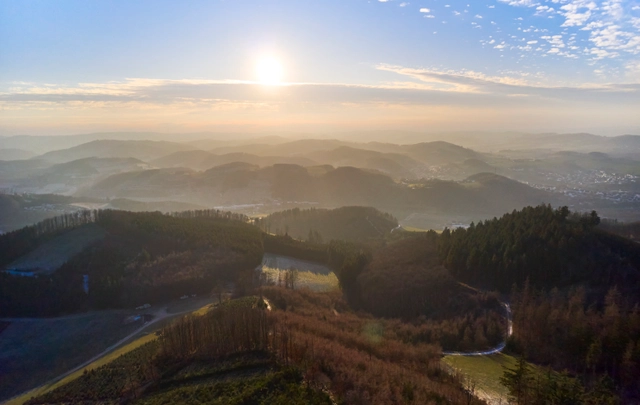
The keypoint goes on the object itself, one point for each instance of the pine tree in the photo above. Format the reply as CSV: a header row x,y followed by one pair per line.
x,y
518,381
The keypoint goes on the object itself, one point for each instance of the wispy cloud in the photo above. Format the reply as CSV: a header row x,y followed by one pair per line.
x,y
420,97
468,81
429,86
520,3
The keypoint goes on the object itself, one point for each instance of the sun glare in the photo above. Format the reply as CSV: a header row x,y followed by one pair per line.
x,y
269,71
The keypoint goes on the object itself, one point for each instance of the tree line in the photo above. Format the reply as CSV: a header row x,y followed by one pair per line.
x,y
21,241
317,225
144,258
550,248
568,330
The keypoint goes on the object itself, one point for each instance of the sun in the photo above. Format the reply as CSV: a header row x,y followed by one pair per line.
x,y
269,71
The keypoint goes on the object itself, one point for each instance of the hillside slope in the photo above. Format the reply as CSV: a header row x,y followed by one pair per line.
x,y
547,247
317,225
486,194
143,150
134,258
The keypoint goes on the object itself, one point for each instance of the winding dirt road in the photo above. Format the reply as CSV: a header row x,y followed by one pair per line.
x,y
496,349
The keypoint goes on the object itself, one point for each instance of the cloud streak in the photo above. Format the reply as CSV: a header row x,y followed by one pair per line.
x,y
419,87
440,99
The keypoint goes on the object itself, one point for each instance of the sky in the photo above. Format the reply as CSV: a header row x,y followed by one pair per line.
x,y
340,65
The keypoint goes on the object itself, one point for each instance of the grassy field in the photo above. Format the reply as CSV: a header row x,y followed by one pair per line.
x,y
52,254
485,372
314,276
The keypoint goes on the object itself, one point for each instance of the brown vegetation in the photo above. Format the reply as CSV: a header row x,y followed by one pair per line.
x,y
595,343
359,358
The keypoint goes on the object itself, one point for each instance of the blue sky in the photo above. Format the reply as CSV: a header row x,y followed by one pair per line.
x,y
548,65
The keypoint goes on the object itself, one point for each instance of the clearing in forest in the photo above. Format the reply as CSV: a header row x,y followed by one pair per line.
x,y
52,254
314,276
33,351
485,373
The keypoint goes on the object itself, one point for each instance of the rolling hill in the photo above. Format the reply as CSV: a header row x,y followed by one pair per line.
x,y
292,148
17,211
242,183
393,164
15,154
129,258
440,152
202,160
316,225
622,146
14,170
143,183
143,150
397,161
87,169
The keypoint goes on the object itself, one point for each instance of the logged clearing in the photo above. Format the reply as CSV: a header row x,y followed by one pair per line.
x,y
71,377
52,254
42,349
314,276
485,372
33,351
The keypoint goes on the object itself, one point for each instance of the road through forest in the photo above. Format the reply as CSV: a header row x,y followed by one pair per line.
x,y
157,317
496,349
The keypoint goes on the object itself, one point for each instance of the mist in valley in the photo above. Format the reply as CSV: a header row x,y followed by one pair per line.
x,y
330,202
428,181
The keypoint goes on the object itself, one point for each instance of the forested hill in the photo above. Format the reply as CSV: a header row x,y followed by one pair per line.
x,y
318,225
629,230
551,248
143,257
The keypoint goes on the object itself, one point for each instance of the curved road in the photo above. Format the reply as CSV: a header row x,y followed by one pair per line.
x,y
496,349
163,314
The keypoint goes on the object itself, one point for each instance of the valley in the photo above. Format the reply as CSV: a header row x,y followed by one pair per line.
x,y
266,175
432,269
326,202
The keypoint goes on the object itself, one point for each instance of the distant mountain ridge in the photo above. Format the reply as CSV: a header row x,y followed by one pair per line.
x,y
203,160
480,140
143,150
430,174
240,183
16,154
